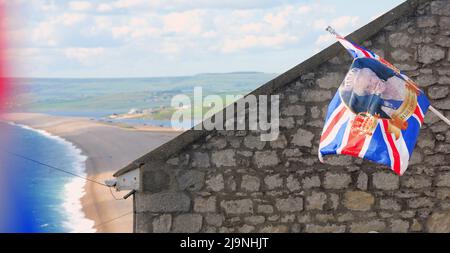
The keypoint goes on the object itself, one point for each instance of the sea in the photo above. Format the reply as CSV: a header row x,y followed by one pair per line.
x,y
39,198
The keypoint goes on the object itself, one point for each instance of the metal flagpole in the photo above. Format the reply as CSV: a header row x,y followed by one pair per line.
x,y
440,115
432,109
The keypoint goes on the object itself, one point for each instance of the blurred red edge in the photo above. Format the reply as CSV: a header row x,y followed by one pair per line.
x,y
5,81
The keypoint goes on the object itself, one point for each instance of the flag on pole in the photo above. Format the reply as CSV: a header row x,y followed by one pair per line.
x,y
376,113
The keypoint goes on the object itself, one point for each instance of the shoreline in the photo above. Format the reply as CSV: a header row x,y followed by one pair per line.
x,y
108,147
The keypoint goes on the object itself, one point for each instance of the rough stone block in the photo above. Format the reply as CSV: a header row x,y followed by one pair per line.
x,y
385,181
191,180
291,204
368,226
439,222
237,206
162,224
250,183
224,158
205,205
266,159
163,202
336,180
187,223
303,138
358,200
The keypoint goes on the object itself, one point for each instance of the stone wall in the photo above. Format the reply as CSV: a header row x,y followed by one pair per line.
x,y
230,181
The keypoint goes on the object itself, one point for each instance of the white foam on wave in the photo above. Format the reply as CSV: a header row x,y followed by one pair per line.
x,y
76,220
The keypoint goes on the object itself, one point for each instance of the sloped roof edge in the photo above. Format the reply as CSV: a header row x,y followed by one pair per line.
x,y
169,148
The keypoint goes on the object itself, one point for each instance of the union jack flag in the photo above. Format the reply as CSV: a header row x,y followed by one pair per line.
x,y
376,113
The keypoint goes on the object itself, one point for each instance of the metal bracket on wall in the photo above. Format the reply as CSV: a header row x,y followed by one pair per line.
x,y
128,181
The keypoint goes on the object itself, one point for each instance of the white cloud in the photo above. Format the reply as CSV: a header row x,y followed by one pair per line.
x,y
82,54
45,34
304,9
104,7
49,7
80,5
325,39
69,19
188,22
280,19
345,22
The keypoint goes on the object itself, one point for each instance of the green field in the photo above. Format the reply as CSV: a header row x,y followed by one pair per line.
x,y
121,94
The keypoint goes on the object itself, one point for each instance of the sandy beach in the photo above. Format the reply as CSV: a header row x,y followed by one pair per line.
x,y
108,148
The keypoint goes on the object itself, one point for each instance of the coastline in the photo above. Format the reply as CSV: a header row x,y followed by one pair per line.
x,y
107,147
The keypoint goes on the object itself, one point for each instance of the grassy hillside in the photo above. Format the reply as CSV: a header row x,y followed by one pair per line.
x,y
120,95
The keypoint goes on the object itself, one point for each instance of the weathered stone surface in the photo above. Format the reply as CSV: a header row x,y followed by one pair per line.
x,y
214,219
303,138
162,224
399,226
291,204
401,55
316,201
443,180
216,142
266,209
440,8
255,220
191,180
215,183
330,80
187,223
385,181
200,160
250,183
367,226
313,228
439,222
311,182
274,229
280,142
163,202
444,22
430,54
334,201
443,148
205,205
442,104
362,181
224,158
237,206
273,181
437,92
420,202
316,95
155,181
426,80
417,182
358,200
416,226
294,110
399,40
254,142
266,159
427,141
390,204
292,183
443,41
336,180
246,229
426,21
338,160
287,122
